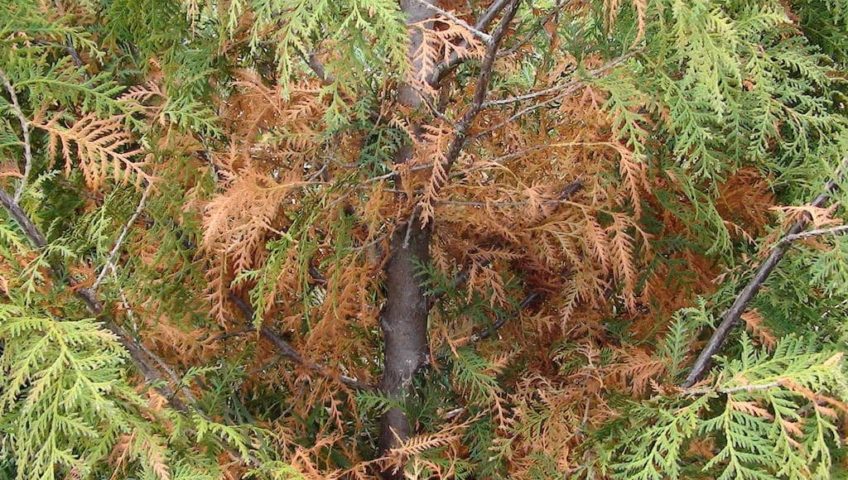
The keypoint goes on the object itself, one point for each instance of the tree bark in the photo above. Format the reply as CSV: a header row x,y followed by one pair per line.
x,y
404,324
404,317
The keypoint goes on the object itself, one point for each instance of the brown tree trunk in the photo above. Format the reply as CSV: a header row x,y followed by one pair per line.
x,y
404,317
404,324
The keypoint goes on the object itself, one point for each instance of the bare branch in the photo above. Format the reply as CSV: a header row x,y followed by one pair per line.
x,y
568,86
562,91
285,349
486,18
482,23
140,358
841,229
123,235
565,197
732,316
16,109
20,217
318,68
481,89
503,319
731,390
538,28
453,18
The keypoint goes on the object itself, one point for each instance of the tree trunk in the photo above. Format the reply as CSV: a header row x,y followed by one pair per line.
x,y
404,324
404,317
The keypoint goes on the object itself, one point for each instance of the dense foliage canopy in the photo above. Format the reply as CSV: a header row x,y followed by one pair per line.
x,y
479,239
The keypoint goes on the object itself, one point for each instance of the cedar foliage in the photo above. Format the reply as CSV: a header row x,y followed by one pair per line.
x,y
200,200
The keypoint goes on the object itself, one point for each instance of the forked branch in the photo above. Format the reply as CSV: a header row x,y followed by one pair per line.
x,y
481,89
485,37
819,232
480,25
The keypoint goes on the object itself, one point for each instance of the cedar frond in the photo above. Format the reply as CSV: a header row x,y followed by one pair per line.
x,y
633,173
432,146
237,221
597,239
819,216
636,369
755,323
623,252
612,8
420,444
100,147
141,94
442,39
217,289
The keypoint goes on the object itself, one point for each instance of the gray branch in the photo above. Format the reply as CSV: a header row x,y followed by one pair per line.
x,y
732,316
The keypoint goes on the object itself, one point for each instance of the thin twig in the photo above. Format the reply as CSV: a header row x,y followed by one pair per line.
x,y
503,319
481,24
433,108
538,28
565,197
172,374
110,260
486,18
519,153
480,91
563,90
394,175
731,390
841,229
565,86
72,51
318,68
732,315
140,358
453,18
135,348
16,109
285,349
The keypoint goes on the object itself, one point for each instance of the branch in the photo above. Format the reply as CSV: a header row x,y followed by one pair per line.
x,y
123,235
140,357
285,349
732,316
503,319
486,18
568,86
20,217
538,28
72,51
458,281
564,197
16,109
730,390
482,23
480,91
563,90
318,68
841,229
136,349
453,18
